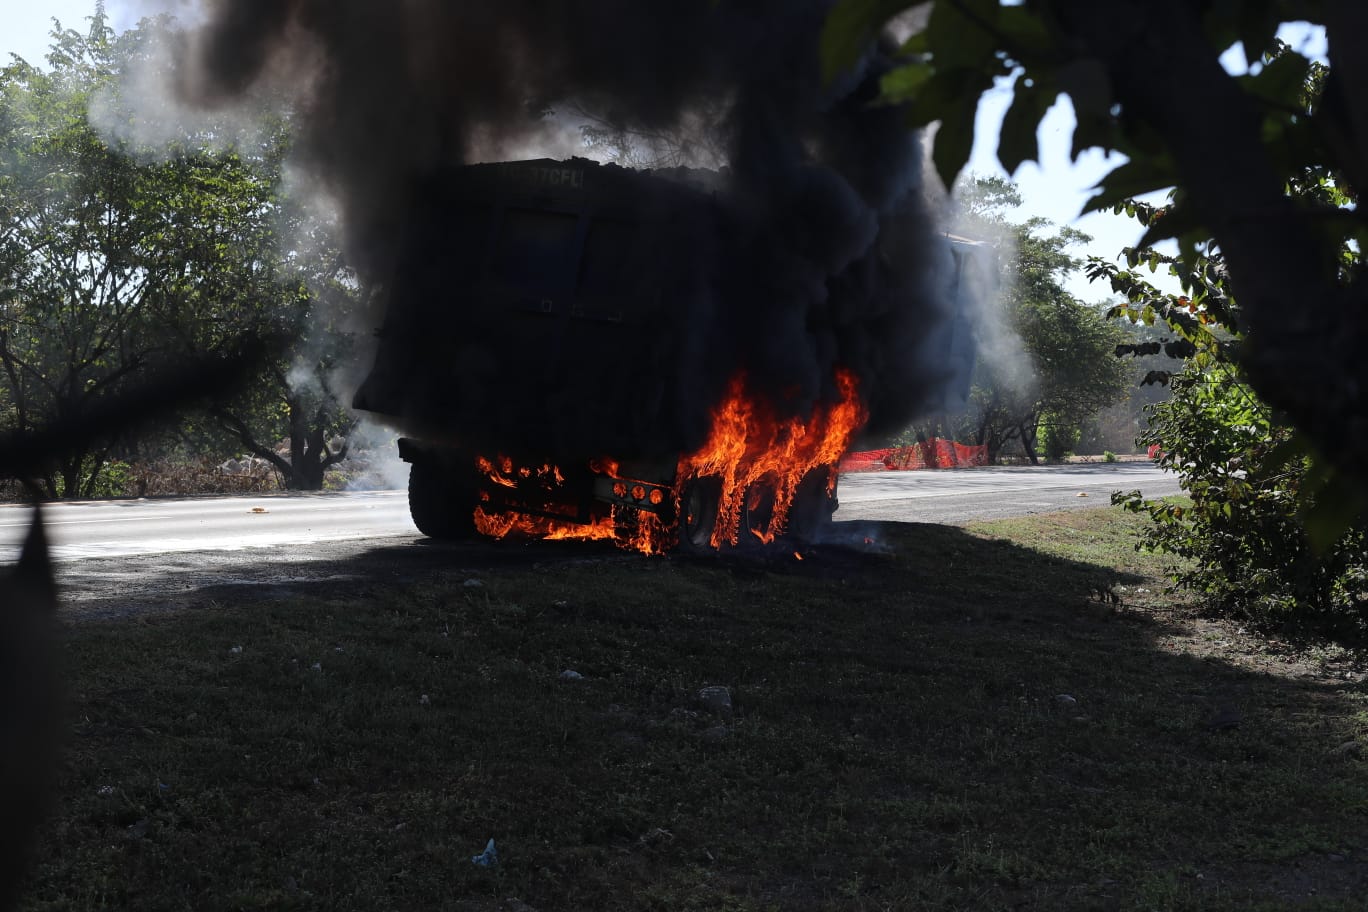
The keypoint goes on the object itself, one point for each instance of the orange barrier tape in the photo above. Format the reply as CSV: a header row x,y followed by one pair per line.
x,y
935,453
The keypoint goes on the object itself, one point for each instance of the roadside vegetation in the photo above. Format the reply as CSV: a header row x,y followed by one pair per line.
x,y
1268,534
1012,714
1272,533
115,261
1263,424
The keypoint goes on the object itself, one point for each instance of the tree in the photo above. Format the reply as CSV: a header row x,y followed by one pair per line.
x,y
86,255
294,396
114,260
1118,427
1056,370
1232,145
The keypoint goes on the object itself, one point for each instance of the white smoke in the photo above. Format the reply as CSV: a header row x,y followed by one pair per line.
x,y
143,114
374,458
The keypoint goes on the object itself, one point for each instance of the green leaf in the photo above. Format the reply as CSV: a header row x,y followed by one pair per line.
x,y
1088,86
945,96
905,83
1177,221
850,28
961,32
1026,34
916,45
955,139
1251,22
1135,178
1281,80
1018,141
1093,131
1296,446
1258,21
1338,504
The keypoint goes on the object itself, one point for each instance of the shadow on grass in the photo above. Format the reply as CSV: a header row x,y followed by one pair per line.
x,y
936,720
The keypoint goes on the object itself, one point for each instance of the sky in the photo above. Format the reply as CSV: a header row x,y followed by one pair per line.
x,y
26,25
1056,188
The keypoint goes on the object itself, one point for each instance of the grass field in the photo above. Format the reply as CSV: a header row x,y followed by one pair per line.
x,y
1004,716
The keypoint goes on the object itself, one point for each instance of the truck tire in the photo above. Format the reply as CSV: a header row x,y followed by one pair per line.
x,y
757,509
813,504
440,505
698,505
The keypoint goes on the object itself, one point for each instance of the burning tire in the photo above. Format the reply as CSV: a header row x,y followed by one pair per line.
x,y
809,512
440,505
698,505
757,509
813,504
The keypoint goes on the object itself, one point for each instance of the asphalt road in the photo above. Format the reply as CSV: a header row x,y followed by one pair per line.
x,y
119,528
965,495
130,557
292,524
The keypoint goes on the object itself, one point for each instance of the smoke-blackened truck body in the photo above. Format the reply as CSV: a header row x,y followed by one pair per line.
x,y
540,317
542,307
558,334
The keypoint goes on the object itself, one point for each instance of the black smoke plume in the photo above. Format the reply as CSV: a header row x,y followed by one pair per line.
x,y
823,254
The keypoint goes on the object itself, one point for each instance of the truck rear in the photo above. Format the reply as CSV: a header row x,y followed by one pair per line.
x,y
535,348
549,334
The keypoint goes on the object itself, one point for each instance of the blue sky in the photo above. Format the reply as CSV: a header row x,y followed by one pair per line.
x,y
26,24
1056,188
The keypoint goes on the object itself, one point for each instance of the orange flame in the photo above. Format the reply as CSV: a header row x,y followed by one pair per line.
x,y
644,532
500,525
639,532
760,459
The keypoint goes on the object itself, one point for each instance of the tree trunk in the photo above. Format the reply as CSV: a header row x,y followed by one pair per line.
x,y
310,457
1028,443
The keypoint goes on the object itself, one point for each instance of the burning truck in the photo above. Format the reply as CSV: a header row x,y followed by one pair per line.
x,y
572,350
665,357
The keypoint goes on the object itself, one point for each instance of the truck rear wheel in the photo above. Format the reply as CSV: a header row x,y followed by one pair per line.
x,y
698,505
757,508
440,505
813,504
